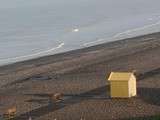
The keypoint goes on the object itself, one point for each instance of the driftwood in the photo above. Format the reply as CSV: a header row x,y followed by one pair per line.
x,y
11,110
10,113
57,97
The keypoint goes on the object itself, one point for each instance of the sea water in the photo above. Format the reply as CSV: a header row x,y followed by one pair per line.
x,y
34,28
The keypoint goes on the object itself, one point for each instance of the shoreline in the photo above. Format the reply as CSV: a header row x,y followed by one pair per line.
x,y
106,44
81,73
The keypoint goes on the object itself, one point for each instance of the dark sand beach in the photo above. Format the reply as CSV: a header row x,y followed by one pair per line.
x,y
81,75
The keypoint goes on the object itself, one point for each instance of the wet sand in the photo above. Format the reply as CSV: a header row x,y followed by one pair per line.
x,y
81,76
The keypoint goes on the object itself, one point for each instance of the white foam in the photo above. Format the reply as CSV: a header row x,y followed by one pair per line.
x,y
136,29
33,55
119,35
93,42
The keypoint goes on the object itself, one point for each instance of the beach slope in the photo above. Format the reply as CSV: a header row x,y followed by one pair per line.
x,y
81,75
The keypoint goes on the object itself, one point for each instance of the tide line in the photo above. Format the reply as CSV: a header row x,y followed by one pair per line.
x,y
35,54
89,43
136,29
122,33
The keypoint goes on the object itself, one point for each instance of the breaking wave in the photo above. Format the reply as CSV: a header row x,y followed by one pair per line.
x,y
122,35
34,55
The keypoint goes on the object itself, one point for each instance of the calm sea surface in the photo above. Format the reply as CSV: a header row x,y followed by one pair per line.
x,y
34,28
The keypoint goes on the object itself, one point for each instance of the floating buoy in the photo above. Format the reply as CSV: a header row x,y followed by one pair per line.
x,y
75,30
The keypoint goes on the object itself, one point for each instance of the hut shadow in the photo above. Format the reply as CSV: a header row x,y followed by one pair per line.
x,y
156,117
150,95
148,74
69,99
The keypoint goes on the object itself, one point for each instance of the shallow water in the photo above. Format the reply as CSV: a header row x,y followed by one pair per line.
x,y
34,28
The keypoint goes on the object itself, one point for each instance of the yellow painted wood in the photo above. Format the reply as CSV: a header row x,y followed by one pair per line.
x,y
133,86
119,89
122,84
119,76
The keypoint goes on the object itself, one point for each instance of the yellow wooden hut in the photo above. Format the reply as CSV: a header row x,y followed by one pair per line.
x,y
122,84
